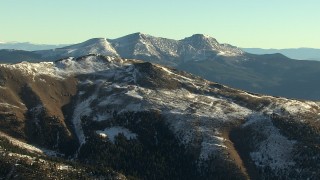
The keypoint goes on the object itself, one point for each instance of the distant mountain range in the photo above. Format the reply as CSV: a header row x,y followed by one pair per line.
x,y
145,47
273,74
15,56
26,46
294,53
94,116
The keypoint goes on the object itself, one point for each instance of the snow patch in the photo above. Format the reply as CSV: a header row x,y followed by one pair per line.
x,y
64,167
102,117
90,64
112,132
33,69
294,107
6,105
177,75
82,109
134,93
275,151
29,147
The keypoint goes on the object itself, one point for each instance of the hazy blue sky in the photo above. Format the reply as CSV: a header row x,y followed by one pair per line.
x,y
244,23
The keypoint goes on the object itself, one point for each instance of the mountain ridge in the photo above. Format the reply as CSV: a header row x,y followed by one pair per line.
x,y
27,46
294,53
113,112
302,53
147,47
272,74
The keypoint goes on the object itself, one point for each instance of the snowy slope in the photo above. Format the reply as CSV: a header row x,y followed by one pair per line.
x,y
200,113
201,47
149,48
144,46
92,46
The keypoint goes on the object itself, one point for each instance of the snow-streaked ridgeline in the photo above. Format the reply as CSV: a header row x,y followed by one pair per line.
x,y
200,113
146,47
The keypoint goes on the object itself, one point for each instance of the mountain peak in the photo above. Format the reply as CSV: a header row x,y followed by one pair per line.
x,y
137,34
149,48
93,41
141,34
133,36
201,36
201,39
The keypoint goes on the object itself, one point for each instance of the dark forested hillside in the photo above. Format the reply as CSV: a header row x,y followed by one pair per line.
x,y
102,117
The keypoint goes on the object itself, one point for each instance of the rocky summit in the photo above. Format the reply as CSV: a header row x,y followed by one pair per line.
x,y
202,55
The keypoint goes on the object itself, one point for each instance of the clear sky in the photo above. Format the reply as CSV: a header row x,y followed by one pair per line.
x,y
243,23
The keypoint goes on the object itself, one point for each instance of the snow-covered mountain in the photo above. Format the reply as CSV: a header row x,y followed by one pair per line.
x,y
142,46
113,112
92,46
271,74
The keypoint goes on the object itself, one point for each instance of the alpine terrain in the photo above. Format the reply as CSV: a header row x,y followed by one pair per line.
x,y
271,74
105,117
